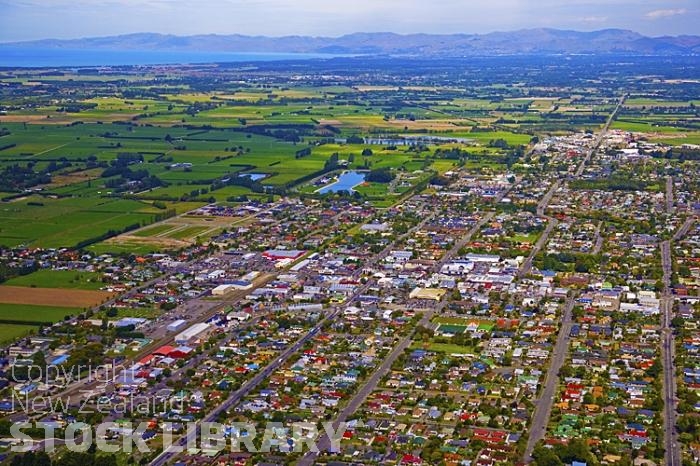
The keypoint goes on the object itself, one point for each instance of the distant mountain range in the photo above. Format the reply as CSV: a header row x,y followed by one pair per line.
x,y
526,41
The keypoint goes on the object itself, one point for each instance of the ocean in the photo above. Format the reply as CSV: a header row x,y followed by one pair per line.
x,y
38,58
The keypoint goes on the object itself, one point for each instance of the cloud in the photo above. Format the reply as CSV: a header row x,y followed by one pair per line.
x,y
594,19
656,14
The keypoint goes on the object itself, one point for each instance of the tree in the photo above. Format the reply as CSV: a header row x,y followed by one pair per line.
x,y
546,457
380,175
71,458
576,450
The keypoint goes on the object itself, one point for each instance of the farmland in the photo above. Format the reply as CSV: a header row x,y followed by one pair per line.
x,y
58,279
51,296
109,161
35,314
10,332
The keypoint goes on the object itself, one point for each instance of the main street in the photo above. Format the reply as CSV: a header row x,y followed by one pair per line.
x,y
543,405
668,359
599,138
541,241
668,350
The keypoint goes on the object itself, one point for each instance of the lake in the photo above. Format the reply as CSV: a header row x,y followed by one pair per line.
x,y
253,176
346,181
36,57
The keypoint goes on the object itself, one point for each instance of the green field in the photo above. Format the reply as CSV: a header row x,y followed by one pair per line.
x,y
187,232
123,247
147,313
525,238
686,138
642,126
40,221
258,129
59,279
31,313
154,230
12,332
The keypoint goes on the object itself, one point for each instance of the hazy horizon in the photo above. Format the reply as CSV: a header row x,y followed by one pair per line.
x,y
272,36
24,20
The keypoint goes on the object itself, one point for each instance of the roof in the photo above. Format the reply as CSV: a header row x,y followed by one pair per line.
x,y
164,350
283,253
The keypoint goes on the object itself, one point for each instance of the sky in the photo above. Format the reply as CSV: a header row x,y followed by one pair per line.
x,y
64,19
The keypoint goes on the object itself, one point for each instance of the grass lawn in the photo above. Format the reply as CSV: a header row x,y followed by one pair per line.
x,y
686,138
59,279
31,313
525,238
124,248
142,312
452,320
186,233
154,230
11,332
372,189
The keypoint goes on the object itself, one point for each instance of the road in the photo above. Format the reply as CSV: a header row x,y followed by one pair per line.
x,y
599,238
541,241
547,198
683,230
668,349
551,223
454,250
599,138
543,405
669,195
667,358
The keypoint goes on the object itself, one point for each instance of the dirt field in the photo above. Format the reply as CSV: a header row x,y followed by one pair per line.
x,y
150,240
52,296
58,181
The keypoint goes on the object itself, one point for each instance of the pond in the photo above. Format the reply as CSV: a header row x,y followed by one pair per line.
x,y
253,176
346,181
